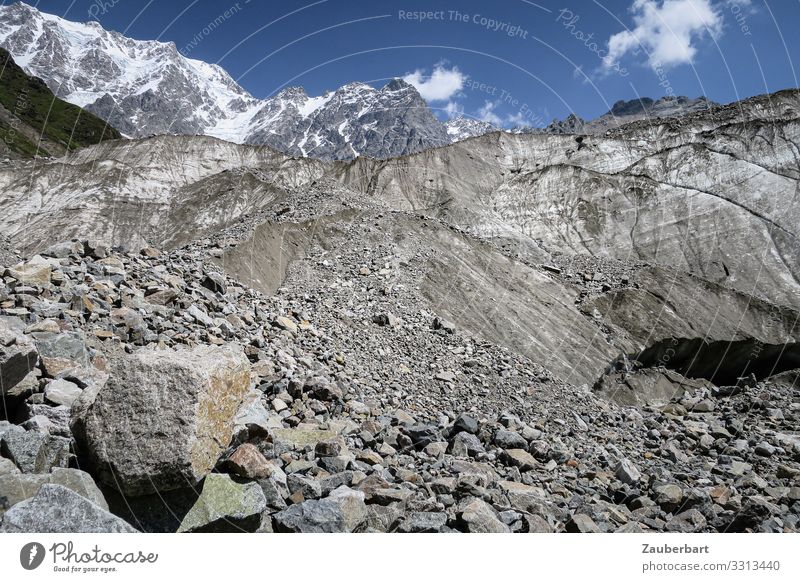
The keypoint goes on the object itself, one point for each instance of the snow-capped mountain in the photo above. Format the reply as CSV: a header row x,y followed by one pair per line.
x,y
140,87
460,128
355,120
148,87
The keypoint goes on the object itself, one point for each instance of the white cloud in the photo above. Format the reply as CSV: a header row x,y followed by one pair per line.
x,y
453,109
441,85
517,119
487,113
667,30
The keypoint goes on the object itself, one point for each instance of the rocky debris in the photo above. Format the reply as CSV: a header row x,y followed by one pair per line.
x,y
342,425
57,509
163,418
225,506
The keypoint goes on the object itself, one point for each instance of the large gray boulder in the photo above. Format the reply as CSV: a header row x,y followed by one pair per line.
x,y
17,357
56,509
163,418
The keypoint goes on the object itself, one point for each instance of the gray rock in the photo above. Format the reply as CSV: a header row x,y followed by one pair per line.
x,y
507,439
61,351
465,423
56,509
581,523
62,392
687,522
479,517
465,444
17,357
199,315
765,449
424,522
252,419
63,250
309,488
15,488
50,419
164,417
343,510
35,452
7,467
383,518
423,434
215,282
627,472
668,495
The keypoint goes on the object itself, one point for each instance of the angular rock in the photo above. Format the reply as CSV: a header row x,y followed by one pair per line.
x,y
627,472
225,506
521,497
479,517
465,423
423,522
214,282
299,438
248,462
668,495
56,509
465,444
31,273
62,392
520,458
35,452
422,435
343,510
163,418
18,357
309,488
507,439
581,523
687,522
61,351
18,487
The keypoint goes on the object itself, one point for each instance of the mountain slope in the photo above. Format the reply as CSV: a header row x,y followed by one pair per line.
x,y
714,195
35,122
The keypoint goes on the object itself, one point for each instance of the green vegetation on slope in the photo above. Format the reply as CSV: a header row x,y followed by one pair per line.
x,y
30,101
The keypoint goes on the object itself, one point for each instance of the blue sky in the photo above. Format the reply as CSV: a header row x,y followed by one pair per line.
x,y
506,61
